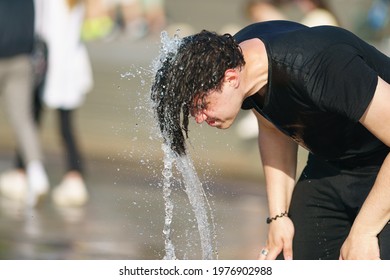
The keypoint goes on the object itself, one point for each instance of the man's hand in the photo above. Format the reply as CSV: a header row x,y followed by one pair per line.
x,y
280,236
363,247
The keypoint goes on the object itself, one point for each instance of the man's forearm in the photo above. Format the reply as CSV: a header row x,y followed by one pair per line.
x,y
279,157
375,212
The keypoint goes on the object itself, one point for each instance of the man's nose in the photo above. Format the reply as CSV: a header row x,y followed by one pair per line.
x,y
200,117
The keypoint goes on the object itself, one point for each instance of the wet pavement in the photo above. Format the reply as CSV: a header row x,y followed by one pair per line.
x,y
125,217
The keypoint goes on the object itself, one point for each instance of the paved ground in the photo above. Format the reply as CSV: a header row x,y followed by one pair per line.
x,y
124,220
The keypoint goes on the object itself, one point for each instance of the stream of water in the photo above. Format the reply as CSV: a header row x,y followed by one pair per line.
x,y
193,186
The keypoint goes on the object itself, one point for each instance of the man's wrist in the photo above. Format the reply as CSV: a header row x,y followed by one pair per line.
x,y
281,215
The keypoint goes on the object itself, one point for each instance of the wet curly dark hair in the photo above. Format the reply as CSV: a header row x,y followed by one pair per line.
x,y
195,69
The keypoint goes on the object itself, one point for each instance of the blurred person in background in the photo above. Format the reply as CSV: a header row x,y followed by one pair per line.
x,y
378,14
98,23
108,19
139,18
129,17
16,85
263,10
68,78
378,23
316,12
155,15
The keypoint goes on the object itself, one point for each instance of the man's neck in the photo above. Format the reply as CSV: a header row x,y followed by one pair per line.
x,y
255,71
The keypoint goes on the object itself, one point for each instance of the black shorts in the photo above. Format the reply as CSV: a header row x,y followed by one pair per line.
x,y
324,205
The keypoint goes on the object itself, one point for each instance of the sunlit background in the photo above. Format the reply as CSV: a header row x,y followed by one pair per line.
x,y
125,215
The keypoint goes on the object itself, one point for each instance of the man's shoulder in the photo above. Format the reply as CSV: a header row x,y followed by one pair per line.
x,y
267,29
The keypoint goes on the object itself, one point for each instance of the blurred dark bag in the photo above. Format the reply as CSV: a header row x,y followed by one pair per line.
x,y
39,60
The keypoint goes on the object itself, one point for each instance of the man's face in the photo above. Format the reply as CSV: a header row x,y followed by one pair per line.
x,y
217,108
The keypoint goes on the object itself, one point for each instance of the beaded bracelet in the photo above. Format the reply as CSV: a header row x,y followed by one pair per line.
x,y
284,214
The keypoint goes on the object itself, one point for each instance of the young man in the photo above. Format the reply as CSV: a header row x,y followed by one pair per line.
x,y
322,88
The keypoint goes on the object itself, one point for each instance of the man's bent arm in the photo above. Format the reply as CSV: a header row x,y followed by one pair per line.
x,y
375,212
279,158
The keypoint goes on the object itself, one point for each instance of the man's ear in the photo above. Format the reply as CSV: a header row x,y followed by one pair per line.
x,y
232,77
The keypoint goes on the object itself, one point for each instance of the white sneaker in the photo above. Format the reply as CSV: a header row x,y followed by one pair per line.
x,y
14,185
71,192
38,182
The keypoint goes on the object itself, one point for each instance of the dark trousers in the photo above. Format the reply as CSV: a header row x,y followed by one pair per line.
x,y
324,206
73,155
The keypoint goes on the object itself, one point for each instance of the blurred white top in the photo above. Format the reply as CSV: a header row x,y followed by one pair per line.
x,y
319,17
69,73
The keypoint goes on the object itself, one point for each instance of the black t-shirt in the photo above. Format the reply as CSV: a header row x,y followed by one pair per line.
x,y
320,82
16,27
